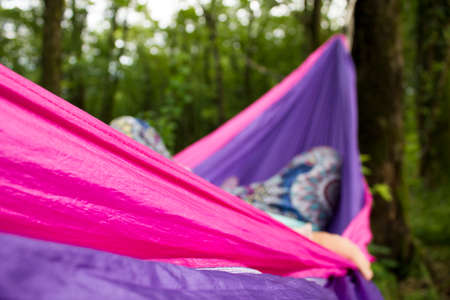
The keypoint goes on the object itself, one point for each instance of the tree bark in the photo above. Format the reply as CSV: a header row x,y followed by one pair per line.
x,y
114,55
248,51
110,86
206,63
432,89
78,89
315,24
377,51
310,19
51,45
211,23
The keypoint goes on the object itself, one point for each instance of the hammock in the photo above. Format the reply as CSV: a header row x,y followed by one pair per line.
x,y
66,177
314,106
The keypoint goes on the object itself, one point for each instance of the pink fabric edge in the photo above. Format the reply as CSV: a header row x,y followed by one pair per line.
x,y
73,115
194,154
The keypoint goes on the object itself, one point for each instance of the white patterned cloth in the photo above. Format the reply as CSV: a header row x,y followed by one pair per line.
x,y
142,132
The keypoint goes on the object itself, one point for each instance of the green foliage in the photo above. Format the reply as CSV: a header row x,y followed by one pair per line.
x,y
163,70
20,40
385,281
383,190
364,159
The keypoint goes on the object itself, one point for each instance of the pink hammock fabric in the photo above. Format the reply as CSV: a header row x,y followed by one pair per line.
x,y
67,177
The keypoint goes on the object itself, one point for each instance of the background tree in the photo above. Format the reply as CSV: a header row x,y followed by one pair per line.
x,y
210,14
315,23
432,86
51,45
377,51
76,68
114,50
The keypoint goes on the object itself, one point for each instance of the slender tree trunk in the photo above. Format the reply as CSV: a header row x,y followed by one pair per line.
x,y
76,74
235,68
310,19
219,81
211,22
110,86
51,45
206,63
304,18
433,19
315,24
114,56
147,105
377,51
248,57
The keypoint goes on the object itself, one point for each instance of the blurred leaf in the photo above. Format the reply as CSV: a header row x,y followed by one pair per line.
x,y
382,190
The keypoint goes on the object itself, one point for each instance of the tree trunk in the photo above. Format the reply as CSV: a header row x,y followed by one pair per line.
x,y
310,19
113,57
248,51
377,52
110,84
315,24
432,89
206,63
211,23
76,74
51,45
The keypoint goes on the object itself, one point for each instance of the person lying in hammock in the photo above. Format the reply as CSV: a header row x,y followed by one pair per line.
x,y
302,195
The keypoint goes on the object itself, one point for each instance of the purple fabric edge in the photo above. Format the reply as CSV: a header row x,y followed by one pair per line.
x,y
46,270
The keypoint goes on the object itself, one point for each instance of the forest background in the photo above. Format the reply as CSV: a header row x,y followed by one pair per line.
x,y
189,74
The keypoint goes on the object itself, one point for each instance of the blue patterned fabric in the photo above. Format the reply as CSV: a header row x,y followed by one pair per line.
x,y
307,189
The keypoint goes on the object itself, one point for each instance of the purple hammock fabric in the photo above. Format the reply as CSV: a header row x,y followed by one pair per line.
x,y
44,270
